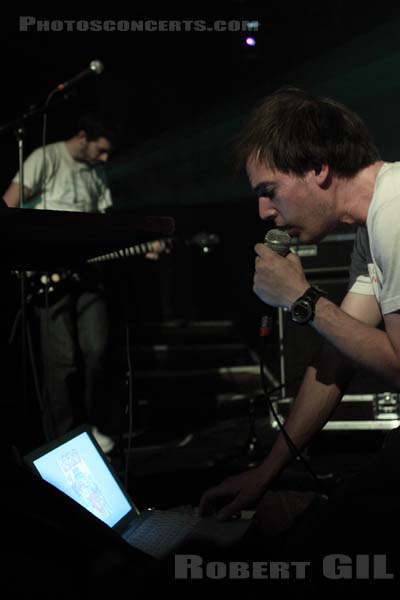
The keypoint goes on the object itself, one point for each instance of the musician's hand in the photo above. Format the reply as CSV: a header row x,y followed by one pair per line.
x,y
278,280
157,248
152,255
234,494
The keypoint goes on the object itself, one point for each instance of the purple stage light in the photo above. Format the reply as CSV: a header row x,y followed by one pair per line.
x,y
250,41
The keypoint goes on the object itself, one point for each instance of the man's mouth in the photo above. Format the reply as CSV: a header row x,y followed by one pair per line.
x,y
290,229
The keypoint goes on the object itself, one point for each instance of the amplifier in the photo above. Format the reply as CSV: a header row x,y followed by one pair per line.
x,y
329,259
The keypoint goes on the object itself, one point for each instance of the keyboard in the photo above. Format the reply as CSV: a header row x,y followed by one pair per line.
x,y
162,531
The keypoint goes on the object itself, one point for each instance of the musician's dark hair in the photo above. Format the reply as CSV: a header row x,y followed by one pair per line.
x,y
98,126
293,131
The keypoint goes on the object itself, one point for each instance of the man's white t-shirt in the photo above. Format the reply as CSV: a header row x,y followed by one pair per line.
x,y
64,184
375,268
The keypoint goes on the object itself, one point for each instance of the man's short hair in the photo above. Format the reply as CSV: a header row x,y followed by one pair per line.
x,y
96,127
294,132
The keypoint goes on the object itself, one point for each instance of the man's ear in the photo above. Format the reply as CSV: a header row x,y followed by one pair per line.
x,y
81,135
322,174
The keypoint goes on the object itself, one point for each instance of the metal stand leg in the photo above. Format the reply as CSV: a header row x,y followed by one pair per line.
x,y
282,352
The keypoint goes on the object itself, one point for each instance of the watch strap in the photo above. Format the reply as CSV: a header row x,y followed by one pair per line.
x,y
313,293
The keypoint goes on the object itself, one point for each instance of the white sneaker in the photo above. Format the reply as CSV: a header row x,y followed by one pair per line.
x,y
105,442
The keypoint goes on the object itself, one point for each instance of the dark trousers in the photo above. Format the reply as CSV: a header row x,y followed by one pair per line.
x,y
74,340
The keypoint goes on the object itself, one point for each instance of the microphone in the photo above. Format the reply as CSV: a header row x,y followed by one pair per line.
x,y
96,66
278,241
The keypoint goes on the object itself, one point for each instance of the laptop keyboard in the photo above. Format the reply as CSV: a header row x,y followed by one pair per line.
x,y
162,531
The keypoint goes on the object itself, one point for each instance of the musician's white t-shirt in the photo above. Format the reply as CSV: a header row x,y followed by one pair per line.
x,y
64,184
375,268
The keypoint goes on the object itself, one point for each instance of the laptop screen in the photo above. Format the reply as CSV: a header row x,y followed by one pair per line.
x,y
77,468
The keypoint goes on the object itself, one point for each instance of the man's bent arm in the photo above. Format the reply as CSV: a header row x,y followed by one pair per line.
x,y
364,344
320,392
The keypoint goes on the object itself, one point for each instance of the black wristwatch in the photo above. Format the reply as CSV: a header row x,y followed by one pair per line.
x,y
303,309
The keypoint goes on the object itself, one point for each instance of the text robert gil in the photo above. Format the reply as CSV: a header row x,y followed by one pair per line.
x,y
334,566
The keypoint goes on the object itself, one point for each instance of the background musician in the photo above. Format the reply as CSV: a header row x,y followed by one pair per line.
x,y
68,175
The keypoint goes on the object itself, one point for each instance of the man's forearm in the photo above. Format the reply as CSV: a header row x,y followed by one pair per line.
x,y
320,392
367,346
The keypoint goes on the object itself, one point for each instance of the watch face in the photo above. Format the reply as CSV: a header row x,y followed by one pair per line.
x,y
301,311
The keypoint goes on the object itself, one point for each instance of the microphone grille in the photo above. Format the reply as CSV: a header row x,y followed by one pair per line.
x,y
278,241
97,66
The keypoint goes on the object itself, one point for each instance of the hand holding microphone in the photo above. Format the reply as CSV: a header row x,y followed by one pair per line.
x,y
279,277
280,280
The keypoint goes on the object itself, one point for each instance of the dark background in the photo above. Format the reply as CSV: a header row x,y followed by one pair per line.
x,y
160,84
180,97
157,80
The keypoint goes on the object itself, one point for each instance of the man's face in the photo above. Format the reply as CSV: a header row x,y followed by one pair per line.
x,y
294,203
96,151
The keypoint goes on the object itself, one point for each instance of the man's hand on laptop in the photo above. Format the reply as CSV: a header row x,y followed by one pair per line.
x,y
232,495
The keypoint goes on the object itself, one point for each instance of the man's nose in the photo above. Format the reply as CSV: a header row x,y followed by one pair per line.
x,y
265,208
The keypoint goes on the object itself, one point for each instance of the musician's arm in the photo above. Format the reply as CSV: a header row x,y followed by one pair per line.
x,y
34,177
11,195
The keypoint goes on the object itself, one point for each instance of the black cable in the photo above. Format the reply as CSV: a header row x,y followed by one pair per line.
x,y
130,403
129,303
295,451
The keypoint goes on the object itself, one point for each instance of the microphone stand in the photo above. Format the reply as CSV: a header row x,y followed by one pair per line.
x,y
35,111
18,127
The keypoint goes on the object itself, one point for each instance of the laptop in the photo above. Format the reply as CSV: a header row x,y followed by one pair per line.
x,y
76,465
